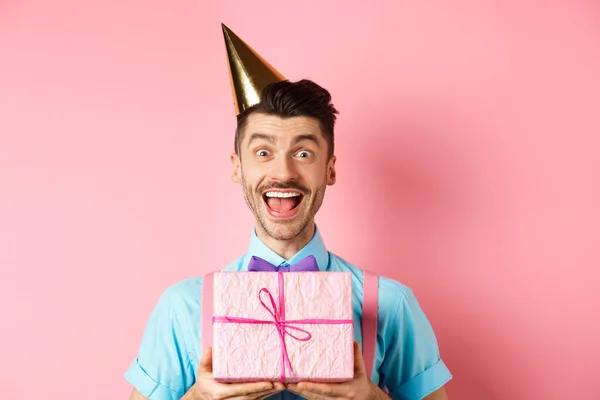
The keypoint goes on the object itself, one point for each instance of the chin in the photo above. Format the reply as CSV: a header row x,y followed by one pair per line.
x,y
283,231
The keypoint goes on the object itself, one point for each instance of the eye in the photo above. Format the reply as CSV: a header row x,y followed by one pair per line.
x,y
304,154
262,153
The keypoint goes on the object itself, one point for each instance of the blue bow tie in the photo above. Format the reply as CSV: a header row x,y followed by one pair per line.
x,y
308,263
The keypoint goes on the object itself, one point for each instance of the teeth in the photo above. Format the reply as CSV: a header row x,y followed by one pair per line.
x,y
282,194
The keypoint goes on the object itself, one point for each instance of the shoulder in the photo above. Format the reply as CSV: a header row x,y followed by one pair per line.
x,y
186,292
392,293
185,295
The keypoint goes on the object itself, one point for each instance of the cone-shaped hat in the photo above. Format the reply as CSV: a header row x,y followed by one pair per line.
x,y
248,71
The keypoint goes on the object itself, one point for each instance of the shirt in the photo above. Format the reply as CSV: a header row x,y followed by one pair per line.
x,y
407,359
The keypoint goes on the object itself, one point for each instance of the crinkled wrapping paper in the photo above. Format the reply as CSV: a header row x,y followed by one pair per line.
x,y
244,352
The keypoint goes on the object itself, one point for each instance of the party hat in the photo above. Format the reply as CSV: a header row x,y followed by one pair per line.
x,y
248,71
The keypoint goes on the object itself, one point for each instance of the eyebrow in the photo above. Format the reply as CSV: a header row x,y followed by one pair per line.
x,y
261,136
271,139
309,136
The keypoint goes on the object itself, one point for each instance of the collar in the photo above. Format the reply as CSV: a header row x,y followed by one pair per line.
x,y
315,247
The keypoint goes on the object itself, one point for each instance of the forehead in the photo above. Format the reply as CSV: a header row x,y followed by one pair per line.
x,y
277,126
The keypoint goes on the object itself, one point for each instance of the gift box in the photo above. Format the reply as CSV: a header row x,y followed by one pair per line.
x,y
288,327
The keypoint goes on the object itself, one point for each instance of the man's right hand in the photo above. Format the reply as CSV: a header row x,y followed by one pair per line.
x,y
206,388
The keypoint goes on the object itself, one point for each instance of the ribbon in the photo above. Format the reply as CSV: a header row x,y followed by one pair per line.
x,y
282,325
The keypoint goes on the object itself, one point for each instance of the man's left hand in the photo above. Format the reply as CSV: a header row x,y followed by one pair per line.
x,y
359,388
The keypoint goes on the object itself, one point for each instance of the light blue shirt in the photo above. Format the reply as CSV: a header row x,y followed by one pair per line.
x,y
407,359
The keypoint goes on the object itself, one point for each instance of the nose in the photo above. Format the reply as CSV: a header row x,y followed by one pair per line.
x,y
283,169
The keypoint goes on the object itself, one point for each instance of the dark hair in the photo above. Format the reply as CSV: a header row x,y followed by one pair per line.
x,y
293,99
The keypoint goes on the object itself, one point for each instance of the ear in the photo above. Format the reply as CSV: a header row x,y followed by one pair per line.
x,y
236,176
331,176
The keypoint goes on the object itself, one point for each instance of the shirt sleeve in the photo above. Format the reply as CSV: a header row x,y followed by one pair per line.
x,y
162,369
412,366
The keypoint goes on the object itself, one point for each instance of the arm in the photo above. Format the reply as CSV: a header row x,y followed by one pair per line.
x,y
439,394
206,388
161,368
135,395
412,364
359,388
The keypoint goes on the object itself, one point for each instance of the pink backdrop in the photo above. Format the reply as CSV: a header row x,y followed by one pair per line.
x,y
468,169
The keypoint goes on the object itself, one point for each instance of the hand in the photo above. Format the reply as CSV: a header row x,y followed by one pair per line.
x,y
359,388
206,388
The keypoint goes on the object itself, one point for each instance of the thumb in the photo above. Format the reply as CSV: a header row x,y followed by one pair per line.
x,y
206,361
360,368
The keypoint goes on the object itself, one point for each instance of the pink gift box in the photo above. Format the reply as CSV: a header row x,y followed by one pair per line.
x,y
291,326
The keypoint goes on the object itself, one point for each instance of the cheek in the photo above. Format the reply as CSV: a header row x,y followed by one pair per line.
x,y
316,175
252,177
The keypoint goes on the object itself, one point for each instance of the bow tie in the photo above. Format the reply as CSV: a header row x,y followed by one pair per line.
x,y
308,263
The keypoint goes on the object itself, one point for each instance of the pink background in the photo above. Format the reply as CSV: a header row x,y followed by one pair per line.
x,y
468,159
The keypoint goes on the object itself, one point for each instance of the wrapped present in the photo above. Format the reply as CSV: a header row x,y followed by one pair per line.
x,y
288,327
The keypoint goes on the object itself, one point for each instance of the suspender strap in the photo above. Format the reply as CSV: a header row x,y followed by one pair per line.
x,y
207,310
369,319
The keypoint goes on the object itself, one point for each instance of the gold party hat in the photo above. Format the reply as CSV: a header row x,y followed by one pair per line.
x,y
248,71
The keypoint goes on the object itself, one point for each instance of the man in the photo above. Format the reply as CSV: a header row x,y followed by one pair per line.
x,y
284,160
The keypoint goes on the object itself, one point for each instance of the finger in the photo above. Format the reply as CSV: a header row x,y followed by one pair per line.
x,y
267,393
228,390
260,395
360,369
205,364
316,390
314,396
294,389
277,387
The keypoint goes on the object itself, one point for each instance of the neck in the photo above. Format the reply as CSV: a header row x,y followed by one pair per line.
x,y
287,248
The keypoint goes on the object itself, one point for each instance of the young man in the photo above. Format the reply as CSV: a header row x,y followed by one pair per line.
x,y
284,160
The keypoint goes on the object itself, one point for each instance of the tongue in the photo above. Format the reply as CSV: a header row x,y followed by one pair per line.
x,y
281,204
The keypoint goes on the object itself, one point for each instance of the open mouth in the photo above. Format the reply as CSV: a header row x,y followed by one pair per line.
x,y
282,204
